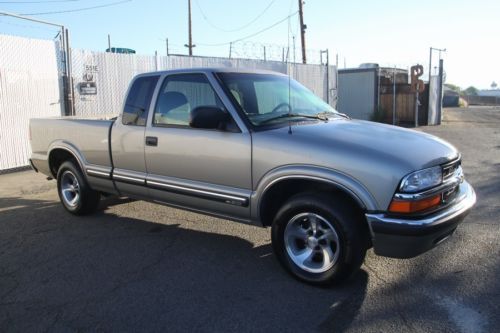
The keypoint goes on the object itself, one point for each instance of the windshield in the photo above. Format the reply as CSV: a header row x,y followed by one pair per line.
x,y
268,99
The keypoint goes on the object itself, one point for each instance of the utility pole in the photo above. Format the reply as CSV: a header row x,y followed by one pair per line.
x,y
303,28
109,43
190,43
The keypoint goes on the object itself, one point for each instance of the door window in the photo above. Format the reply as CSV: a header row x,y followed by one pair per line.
x,y
179,95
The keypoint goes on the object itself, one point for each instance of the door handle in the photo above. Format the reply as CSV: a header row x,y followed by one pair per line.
x,y
151,141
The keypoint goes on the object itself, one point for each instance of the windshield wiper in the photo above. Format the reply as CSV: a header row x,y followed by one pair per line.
x,y
318,116
336,113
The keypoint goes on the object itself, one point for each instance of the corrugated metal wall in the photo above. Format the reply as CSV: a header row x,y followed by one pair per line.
x,y
30,87
112,74
357,93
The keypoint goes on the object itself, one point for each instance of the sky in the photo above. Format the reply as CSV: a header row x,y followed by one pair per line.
x,y
390,33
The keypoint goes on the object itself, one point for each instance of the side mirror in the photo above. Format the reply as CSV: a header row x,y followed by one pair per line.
x,y
208,117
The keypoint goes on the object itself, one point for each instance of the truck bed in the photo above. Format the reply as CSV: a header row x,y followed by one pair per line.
x,y
89,137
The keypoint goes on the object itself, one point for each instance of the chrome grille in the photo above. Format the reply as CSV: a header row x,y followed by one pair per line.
x,y
449,169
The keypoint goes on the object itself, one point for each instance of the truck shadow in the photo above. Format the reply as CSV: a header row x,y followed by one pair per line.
x,y
109,273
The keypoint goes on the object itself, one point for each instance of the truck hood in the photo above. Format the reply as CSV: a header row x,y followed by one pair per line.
x,y
410,149
375,155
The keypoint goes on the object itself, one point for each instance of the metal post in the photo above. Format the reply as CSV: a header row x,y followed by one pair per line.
x,y
327,72
394,97
109,44
302,32
293,38
430,65
264,53
190,45
327,77
166,42
416,106
378,89
440,92
70,90
230,49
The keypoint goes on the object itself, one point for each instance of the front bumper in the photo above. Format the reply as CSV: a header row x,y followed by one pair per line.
x,y
407,238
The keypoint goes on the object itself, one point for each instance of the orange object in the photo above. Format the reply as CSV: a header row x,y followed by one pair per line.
x,y
402,206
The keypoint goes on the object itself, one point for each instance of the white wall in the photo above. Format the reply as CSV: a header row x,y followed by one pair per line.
x,y
114,72
30,87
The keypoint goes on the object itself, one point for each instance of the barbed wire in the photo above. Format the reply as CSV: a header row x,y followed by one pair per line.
x,y
272,52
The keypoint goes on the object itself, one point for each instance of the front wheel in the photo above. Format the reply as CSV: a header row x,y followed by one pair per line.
x,y
74,192
318,239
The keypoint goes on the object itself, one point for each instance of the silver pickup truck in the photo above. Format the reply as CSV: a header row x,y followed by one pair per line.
x,y
257,147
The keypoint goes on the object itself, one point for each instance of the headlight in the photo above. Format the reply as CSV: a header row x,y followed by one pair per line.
x,y
421,180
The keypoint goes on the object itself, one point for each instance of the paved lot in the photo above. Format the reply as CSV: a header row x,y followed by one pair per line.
x,y
136,266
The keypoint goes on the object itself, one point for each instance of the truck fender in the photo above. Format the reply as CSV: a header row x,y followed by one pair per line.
x,y
337,179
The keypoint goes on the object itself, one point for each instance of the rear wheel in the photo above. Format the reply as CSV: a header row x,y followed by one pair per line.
x,y
318,239
74,192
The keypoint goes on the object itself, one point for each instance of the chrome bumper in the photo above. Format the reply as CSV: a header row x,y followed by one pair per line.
x,y
406,238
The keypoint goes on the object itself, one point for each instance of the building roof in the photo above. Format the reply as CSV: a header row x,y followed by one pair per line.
x,y
489,92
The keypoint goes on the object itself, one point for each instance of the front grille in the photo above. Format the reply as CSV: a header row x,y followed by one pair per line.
x,y
449,195
449,169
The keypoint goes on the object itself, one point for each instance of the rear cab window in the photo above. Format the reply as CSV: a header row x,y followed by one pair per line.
x,y
135,112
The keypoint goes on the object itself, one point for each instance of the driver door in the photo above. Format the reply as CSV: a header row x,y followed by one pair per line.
x,y
206,170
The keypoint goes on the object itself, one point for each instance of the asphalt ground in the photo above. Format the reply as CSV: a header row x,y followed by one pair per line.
x,y
137,266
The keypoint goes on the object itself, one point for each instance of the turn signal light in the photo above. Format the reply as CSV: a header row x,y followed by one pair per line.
x,y
402,206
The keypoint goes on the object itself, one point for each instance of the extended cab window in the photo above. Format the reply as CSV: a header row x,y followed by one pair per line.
x,y
139,100
179,95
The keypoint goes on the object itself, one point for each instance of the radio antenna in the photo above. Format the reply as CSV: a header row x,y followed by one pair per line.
x,y
289,78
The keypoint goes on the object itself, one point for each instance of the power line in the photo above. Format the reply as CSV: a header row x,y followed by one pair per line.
x,y
26,26
236,29
254,34
41,1
78,9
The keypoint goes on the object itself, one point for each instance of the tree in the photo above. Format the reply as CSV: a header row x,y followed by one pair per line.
x,y
453,87
494,85
471,91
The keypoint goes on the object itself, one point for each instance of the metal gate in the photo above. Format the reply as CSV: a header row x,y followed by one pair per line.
x,y
30,87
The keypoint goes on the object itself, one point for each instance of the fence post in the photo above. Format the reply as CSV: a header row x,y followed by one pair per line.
x,y
68,86
394,97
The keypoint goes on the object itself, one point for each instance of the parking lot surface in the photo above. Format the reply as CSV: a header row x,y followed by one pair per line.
x,y
137,266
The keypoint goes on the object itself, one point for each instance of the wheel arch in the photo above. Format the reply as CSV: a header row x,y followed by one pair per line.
x,y
59,153
277,187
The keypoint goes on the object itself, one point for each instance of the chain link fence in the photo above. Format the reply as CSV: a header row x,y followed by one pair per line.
x,y
30,87
101,79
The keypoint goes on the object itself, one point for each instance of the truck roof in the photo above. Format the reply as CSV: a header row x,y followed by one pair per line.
x,y
212,70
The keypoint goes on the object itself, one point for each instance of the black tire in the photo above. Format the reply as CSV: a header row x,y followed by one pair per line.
x,y
74,192
346,246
